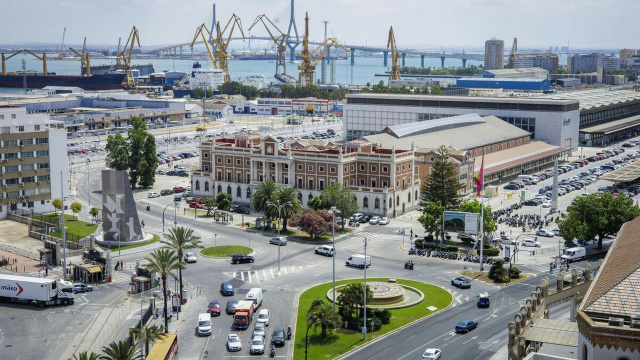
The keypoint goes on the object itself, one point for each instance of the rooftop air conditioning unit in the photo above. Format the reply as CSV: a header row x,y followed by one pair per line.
x,y
613,321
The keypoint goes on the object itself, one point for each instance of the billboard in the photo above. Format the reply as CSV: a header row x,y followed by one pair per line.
x,y
461,222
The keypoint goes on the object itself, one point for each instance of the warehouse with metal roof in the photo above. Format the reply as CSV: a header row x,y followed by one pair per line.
x,y
529,85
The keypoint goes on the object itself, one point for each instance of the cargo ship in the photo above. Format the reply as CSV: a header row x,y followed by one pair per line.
x,y
36,80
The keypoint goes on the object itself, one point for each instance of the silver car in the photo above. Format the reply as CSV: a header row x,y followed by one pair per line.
x,y
282,241
257,345
233,343
260,330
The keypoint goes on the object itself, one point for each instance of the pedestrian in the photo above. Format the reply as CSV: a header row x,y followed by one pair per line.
x,y
550,268
122,265
117,265
170,314
555,264
567,266
157,313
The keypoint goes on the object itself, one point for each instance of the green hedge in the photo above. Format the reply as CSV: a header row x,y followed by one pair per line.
x,y
420,244
489,252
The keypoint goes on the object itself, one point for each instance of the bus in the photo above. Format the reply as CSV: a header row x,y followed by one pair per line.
x,y
166,348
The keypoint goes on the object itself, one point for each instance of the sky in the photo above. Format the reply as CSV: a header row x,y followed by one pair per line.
x,y
425,24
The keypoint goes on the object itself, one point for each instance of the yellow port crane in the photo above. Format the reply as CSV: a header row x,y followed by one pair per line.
x,y
309,62
84,58
222,44
278,40
200,31
125,57
394,74
512,54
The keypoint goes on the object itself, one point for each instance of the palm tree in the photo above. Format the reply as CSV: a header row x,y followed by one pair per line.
x,y
324,315
352,296
121,350
287,203
149,334
164,261
180,239
264,194
86,356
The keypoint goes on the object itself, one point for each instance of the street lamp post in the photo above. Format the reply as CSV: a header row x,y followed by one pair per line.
x,y
64,233
333,213
215,240
364,328
165,208
279,207
306,340
118,198
175,214
89,185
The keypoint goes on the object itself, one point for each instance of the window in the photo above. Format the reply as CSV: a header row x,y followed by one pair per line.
x,y
332,169
385,184
374,168
26,142
238,162
299,166
415,170
346,169
229,189
361,167
206,168
310,183
286,180
11,143
321,168
37,127
219,177
397,183
13,116
365,202
416,197
398,169
398,199
42,140
361,182
351,182
6,129
310,167
408,197
248,177
248,192
197,184
321,182
300,182
228,161
376,203
26,154
27,167
219,188
353,167
310,197
206,155
11,156
219,160
385,169
42,153
21,127
206,186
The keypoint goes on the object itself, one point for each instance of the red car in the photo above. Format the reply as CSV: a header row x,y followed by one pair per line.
x,y
183,138
179,189
214,308
194,205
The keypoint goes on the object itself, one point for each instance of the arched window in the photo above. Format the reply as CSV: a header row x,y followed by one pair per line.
x,y
197,184
365,202
376,203
390,201
219,188
622,357
416,198
248,192
310,197
408,197
206,186
584,352
300,197
397,199
229,189
238,192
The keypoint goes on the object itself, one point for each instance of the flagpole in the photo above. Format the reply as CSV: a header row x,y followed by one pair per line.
x,y
482,214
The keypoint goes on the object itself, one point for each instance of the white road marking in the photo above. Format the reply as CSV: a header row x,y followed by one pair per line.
x,y
249,275
472,339
242,275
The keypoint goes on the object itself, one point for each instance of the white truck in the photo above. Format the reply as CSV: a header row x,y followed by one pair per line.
x,y
574,253
36,291
359,260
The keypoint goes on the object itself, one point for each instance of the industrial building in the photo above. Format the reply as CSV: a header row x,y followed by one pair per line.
x,y
591,63
522,73
552,120
494,54
529,85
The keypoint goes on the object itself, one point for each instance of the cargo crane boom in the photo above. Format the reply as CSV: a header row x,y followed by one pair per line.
x,y
394,74
126,58
512,54
278,40
84,60
200,31
222,44
61,49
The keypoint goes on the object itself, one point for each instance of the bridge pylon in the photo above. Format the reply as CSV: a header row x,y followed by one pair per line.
x,y
291,43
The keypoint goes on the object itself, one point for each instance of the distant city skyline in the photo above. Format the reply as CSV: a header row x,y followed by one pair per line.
x,y
441,25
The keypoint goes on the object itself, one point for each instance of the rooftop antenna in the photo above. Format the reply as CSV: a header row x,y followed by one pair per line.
x,y
291,43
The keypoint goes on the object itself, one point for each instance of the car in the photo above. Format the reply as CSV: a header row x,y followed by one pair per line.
x,y
461,282
153,194
165,192
226,289
431,354
465,326
257,345
504,239
544,232
241,258
511,187
80,287
233,343
364,219
179,189
530,242
190,258
171,173
464,237
231,307
240,210
214,308
374,220
277,337
259,330
325,250
383,221
556,232
282,241
195,205
546,204
263,316
483,300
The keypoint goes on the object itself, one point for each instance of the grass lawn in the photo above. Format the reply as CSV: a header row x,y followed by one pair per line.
x,y
155,239
77,229
484,276
343,340
200,213
225,250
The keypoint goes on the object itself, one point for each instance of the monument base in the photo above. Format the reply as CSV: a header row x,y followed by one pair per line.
x,y
147,237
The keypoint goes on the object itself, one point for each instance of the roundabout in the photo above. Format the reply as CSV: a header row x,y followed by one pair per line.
x,y
387,295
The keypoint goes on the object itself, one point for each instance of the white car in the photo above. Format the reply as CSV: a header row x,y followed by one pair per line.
x,y
153,194
546,204
190,258
431,354
530,242
260,330
383,221
263,316
374,220
544,232
257,345
325,250
233,343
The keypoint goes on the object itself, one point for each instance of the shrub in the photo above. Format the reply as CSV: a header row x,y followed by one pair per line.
x,y
429,238
451,248
384,315
489,252
501,275
494,267
377,324
514,272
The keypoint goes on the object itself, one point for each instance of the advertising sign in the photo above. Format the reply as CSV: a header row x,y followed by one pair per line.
x,y
461,222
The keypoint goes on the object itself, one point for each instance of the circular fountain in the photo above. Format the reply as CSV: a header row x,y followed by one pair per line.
x,y
387,295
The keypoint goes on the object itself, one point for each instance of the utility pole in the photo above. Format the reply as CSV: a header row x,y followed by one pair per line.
x,y
64,232
364,328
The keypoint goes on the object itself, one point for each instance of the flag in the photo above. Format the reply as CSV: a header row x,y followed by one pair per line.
x,y
480,177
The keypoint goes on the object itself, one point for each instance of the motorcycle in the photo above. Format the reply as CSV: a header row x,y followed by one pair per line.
x,y
408,265
289,333
148,207
273,352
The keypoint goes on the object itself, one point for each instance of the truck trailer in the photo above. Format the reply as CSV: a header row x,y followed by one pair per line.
x,y
36,291
243,315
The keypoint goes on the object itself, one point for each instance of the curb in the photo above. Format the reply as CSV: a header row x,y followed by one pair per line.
x,y
222,258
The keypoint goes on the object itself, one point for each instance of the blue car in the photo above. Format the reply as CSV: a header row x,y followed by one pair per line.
x,y
465,326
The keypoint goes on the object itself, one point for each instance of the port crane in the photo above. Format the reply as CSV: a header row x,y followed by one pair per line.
x,y
309,63
42,58
394,74
125,62
279,41
200,31
84,58
221,44
512,54
61,48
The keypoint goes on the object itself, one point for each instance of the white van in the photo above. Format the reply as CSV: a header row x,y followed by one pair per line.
x,y
527,178
255,295
204,324
574,253
359,261
357,216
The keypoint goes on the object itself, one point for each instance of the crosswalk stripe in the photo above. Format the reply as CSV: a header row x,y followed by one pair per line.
x,y
249,275
272,276
264,274
285,271
242,275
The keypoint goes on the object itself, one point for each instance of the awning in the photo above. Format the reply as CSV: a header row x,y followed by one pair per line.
x,y
94,269
627,173
557,332
613,126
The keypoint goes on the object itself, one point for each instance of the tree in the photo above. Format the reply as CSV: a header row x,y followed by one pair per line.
x,y
352,296
286,204
431,219
316,203
75,208
86,356
180,240
149,334
596,215
315,223
164,261
117,155
94,213
121,350
342,198
223,201
208,203
489,224
436,90
57,204
149,164
442,183
324,315
264,194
